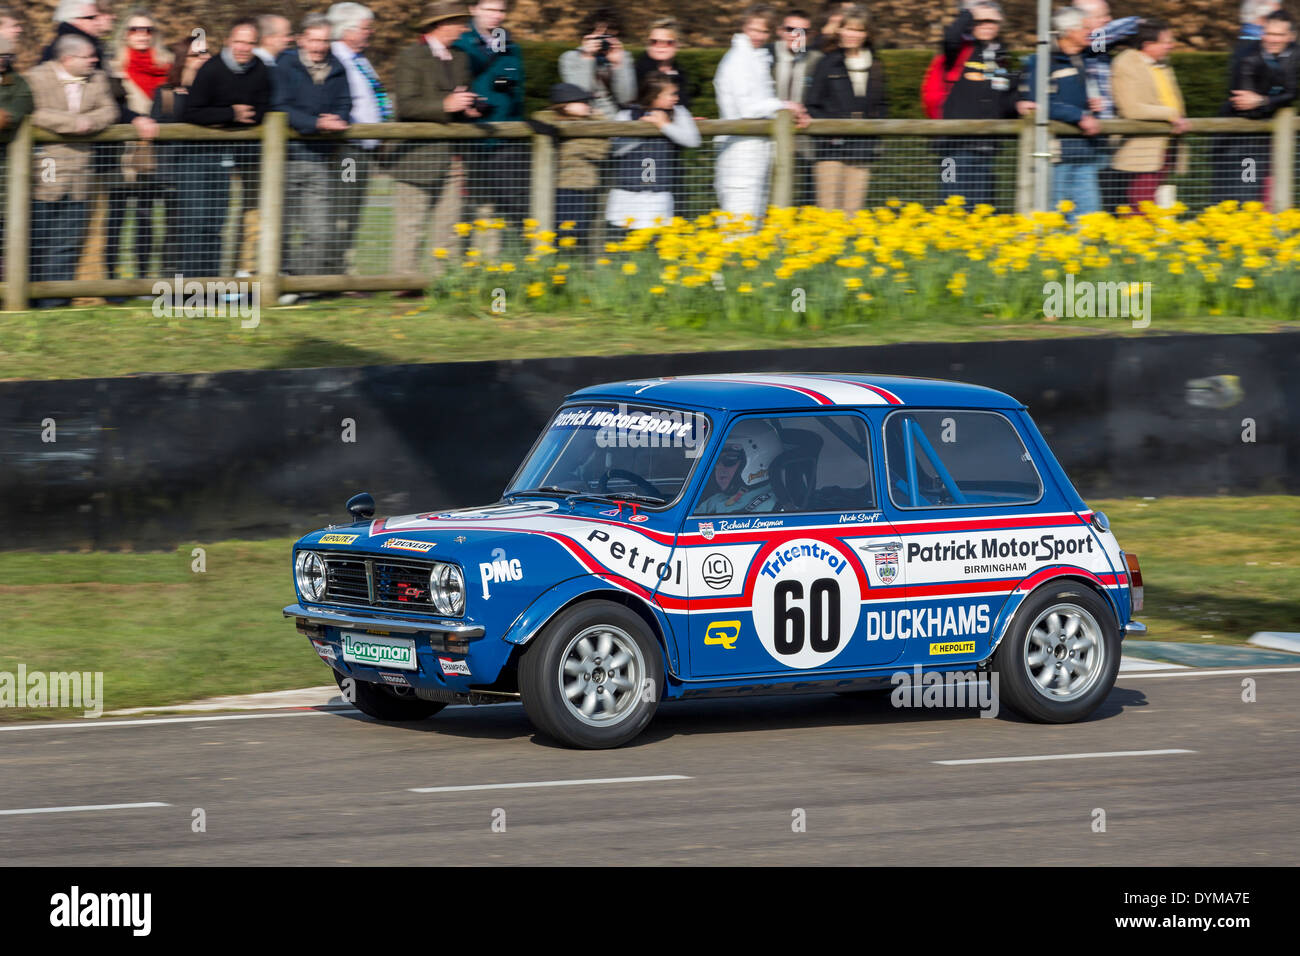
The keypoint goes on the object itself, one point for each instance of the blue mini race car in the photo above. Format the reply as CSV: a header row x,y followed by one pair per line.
x,y
721,535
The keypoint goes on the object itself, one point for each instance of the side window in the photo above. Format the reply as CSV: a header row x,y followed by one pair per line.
x,y
957,458
808,463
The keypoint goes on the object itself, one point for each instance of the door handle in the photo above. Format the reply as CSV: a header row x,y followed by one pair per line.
x,y
884,546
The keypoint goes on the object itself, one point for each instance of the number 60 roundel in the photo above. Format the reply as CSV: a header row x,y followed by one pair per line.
x,y
806,602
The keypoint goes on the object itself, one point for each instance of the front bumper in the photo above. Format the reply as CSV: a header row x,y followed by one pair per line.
x,y
320,616
450,655
1135,629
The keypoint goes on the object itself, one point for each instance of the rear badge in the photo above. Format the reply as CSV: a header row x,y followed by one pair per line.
x,y
450,667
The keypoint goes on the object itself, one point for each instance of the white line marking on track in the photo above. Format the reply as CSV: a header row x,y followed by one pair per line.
x,y
1104,753
547,783
1197,672
101,806
93,723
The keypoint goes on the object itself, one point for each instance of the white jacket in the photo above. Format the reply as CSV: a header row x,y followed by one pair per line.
x,y
744,85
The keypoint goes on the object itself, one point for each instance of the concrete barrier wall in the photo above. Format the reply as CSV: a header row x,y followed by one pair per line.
x,y
152,460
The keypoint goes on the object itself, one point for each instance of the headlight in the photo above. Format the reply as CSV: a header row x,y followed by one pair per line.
x,y
309,574
447,587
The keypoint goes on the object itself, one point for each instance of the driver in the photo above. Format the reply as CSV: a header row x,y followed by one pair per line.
x,y
742,471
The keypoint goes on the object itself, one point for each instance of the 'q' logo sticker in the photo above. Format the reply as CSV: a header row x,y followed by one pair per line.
x,y
806,602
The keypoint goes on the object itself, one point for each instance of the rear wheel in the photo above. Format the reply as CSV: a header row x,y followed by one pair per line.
x,y
1060,659
383,703
590,678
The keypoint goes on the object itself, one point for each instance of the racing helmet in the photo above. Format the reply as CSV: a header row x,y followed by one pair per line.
x,y
759,444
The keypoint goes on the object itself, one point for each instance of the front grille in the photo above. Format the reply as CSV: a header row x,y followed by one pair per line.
x,y
377,582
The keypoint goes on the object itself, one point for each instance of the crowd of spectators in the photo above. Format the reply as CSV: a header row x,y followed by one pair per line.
x,y
463,66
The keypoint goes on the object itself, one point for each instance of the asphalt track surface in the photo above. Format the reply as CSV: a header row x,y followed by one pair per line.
x,y
320,787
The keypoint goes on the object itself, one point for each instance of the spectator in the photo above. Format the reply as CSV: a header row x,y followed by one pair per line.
x,y
311,86
1146,88
493,166
73,98
230,91
1254,19
849,83
432,85
745,90
138,65
578,165
169,107
646,167
11,29
1263,81
277,36
1106,39
794,60
354,26
80,18
832,14
1074,177
15,105
660,55
983,90
600,65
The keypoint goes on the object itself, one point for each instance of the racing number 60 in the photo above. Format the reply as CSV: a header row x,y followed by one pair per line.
x,y
822,620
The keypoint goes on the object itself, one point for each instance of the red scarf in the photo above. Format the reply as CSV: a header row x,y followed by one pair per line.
x,y
144,72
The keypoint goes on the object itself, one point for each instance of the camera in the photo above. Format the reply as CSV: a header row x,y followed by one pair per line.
x,y
482,105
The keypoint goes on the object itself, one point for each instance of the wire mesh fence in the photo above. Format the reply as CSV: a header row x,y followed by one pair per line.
x,y
409,201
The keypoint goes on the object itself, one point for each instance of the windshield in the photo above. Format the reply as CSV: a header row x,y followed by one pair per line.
x,y
616,450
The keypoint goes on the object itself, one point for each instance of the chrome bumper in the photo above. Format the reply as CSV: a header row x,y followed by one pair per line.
x,y
455,630
1135,629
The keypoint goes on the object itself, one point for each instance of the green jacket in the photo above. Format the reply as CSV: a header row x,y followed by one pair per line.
x,y
421,83
15,100
498,76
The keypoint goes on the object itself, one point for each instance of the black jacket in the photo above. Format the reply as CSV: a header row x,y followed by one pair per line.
x,y
830,96
986,87
295,93
645,66
216,90
1272,77
67,29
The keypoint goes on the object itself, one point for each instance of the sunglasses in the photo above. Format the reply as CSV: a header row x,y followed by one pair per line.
x,y
139,29
654,42
979,22
730,457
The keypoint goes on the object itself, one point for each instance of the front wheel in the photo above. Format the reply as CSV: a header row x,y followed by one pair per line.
x,y
377,701
1060,659
590,678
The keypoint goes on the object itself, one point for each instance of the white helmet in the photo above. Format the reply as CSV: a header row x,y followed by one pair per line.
x,y
759,443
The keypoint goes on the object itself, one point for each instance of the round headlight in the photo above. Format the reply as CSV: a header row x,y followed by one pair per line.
x,y
309,573
447,587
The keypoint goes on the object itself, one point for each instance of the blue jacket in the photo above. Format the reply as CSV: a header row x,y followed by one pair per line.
x,y
295,93
1067,103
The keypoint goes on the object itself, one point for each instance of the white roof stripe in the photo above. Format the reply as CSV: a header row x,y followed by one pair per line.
x,y
839,392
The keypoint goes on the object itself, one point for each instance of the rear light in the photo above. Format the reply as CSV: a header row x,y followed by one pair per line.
x,y
1134,580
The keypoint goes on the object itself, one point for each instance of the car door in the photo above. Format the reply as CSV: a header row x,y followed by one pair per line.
x,y
787,549
975,520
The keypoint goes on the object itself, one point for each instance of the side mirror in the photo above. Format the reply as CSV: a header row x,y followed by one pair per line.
x,y
362,506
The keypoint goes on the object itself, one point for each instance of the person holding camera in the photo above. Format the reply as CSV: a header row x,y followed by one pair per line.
x,y
493,166
600,65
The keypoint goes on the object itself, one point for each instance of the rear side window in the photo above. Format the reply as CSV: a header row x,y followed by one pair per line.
x,y
959,459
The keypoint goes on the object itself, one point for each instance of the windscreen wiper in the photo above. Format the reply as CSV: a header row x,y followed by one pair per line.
x,y
544,490
645,499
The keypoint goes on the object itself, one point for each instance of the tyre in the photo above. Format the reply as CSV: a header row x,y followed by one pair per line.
x,y
590,679
1059,661
381,703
